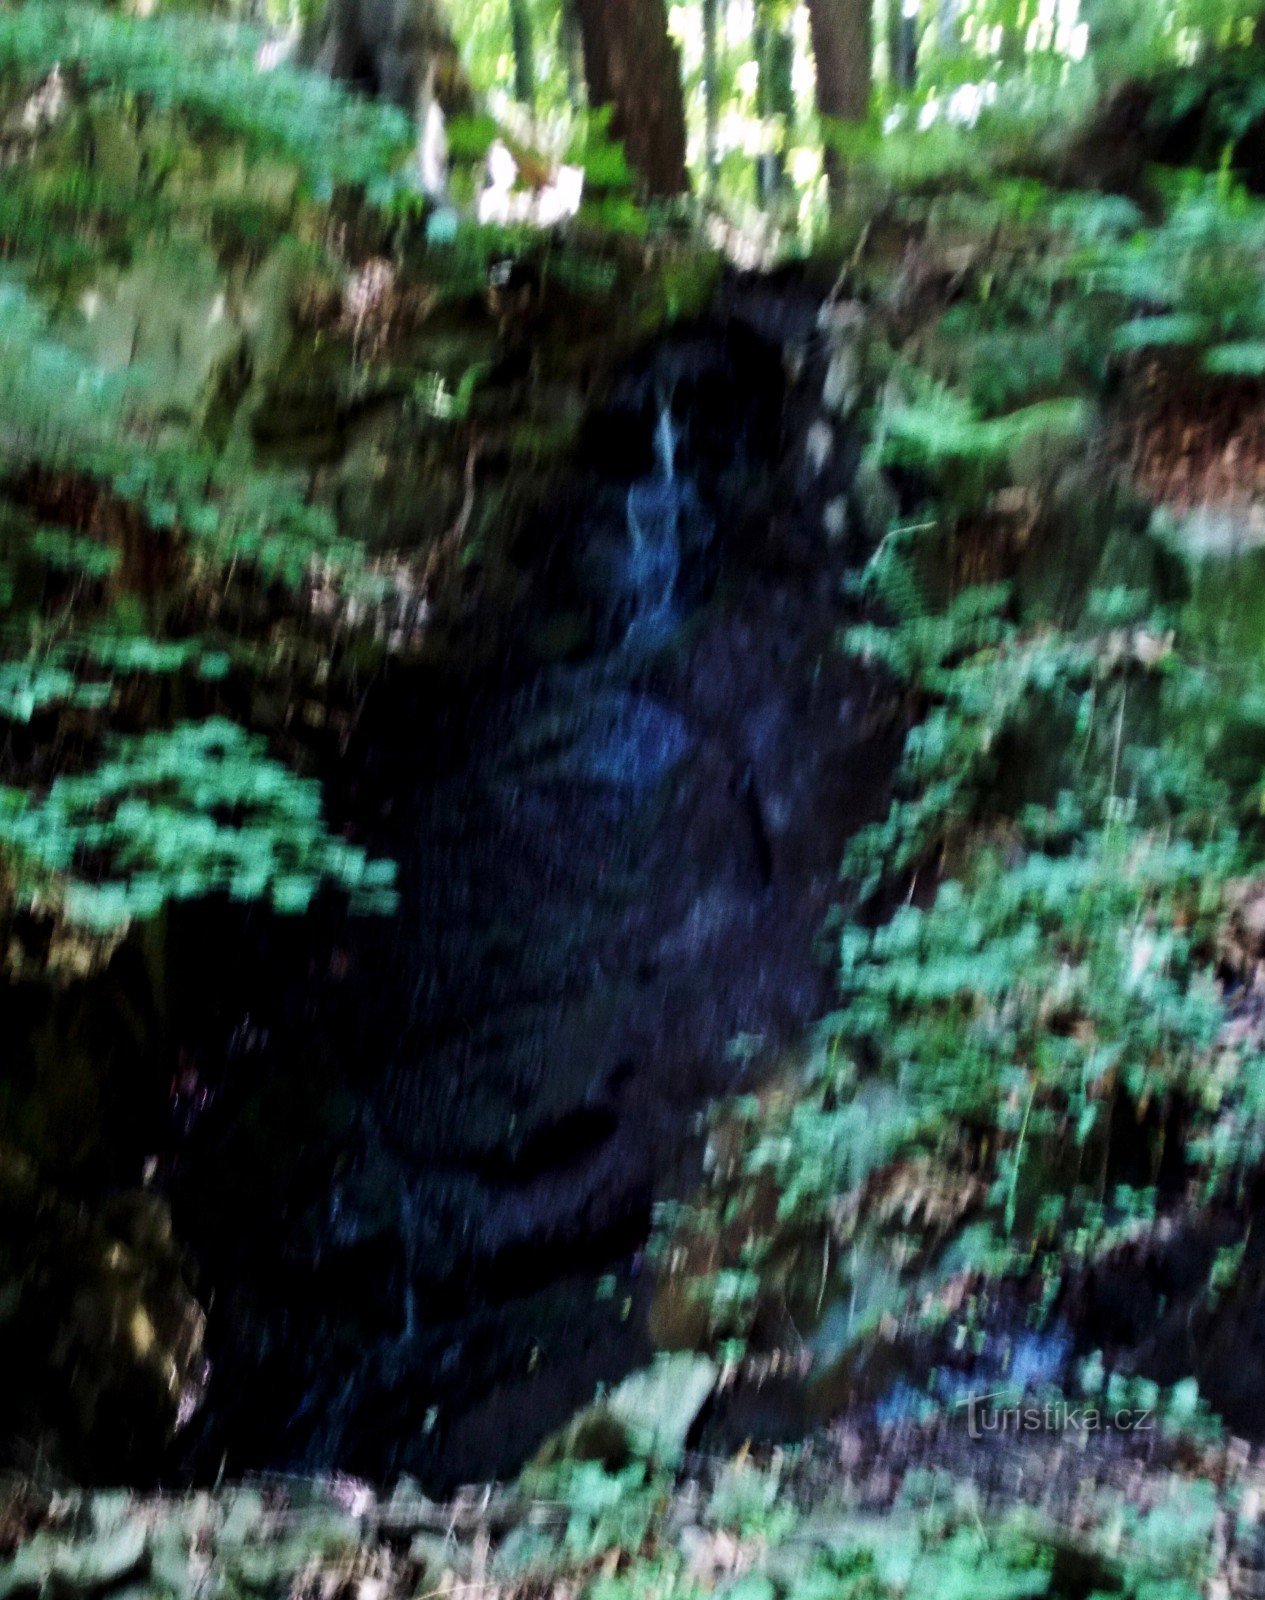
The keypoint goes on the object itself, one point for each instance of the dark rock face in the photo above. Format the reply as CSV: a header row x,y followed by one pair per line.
x,y
415,1159
100,1330
100,1333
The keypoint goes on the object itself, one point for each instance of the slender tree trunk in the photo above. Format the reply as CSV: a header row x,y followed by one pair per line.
x,y
902,46
908,56
775,99
631,65
403,52
572,44
843,48
711,88
524,53
892,31
948,26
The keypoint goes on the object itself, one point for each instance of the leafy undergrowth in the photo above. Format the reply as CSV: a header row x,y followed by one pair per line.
x,y
223,306
840,1521
1047,1045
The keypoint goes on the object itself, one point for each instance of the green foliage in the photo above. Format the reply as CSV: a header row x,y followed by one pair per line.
x,y
206,70
629,1536
53,399
172,557
603,159
72,552
942,436
167,130
1195,279
487,50
1133,35
1060,977
1046,898
196,810
63,410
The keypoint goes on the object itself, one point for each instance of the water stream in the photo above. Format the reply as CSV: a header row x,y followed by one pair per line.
x,y
422,1179
656,506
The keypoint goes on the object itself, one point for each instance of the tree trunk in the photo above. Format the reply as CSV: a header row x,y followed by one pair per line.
x,y
402,50
711,88
632,66
572,45
524,53
775,100
902,47
909,31
843,48
891,39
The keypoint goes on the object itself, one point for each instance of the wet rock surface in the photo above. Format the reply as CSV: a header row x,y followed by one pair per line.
x,y
415,1159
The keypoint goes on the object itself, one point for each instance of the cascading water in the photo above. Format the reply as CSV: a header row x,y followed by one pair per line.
x,y
656,507
614,858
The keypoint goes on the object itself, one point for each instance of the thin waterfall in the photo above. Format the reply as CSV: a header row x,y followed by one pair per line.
x,y
653,518
665,438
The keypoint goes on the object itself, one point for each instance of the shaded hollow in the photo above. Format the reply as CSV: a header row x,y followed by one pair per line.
x,y
416,1158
